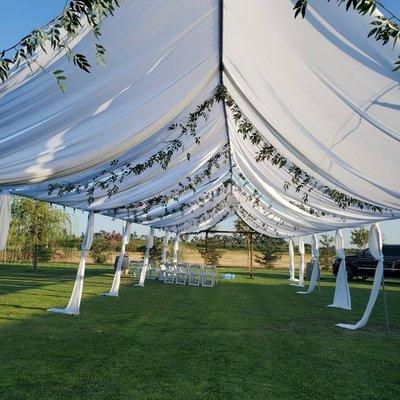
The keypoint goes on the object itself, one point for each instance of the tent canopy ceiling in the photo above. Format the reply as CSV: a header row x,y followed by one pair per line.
x,y
319,91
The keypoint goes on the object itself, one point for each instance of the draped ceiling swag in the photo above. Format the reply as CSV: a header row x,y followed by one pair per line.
x,y
318,90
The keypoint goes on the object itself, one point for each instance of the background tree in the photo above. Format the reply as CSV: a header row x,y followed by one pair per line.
x,y
102,248
156,250
37,228
211,253
326,251
271,249
359,238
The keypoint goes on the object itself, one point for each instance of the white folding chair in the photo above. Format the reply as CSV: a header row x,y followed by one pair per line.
x,y
208,276
181,274
194,275
169,276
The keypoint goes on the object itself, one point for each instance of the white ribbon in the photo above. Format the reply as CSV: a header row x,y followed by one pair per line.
x,y
291,261
5,218
76,296
176,249
300,282
164,250
315,261
149,245
375,247
341,298
117,275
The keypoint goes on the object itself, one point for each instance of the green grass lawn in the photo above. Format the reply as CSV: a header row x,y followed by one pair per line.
x,y
244,339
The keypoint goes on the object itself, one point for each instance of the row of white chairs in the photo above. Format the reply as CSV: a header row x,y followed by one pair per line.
x,y
179,274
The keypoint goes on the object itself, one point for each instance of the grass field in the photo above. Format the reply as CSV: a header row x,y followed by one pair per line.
x,y
244,339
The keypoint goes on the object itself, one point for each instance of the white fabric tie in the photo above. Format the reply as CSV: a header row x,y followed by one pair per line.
x,y
375,248
291,261
300,282
176,249
76,296
164,250
149,245
315,261
341,298
5,218
117,275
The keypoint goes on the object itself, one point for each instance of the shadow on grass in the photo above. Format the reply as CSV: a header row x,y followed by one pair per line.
x,y
244,339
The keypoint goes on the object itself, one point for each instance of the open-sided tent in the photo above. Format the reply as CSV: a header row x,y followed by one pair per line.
x,y
318,92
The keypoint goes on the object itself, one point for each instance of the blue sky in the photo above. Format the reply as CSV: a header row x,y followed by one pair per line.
x,y
19,17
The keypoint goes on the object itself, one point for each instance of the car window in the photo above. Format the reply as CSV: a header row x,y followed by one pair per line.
x,y
391,251
366,253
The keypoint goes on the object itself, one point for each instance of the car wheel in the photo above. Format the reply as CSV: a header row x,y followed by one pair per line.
x,y
350,274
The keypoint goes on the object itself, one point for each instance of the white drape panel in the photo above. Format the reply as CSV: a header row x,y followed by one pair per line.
x,y
341,97
300,282
149,245
341,298
126,235
315,264
5,218
176,249
375,247
164,249
291,261
76,296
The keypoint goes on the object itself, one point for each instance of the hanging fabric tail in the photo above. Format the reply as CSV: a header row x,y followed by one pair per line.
x,y
291,261
300,282
315,261
176,249
117,275
75,300
164,250
149,245
375,247
5,218
341,298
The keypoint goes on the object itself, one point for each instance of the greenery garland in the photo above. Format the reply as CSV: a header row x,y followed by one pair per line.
x,y
384,29
71,20
300,180
116,172
145,206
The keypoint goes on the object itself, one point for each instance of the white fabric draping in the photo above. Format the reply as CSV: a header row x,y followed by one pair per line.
x,y
149,246
301,248
291,261
375,247
176,249
126,235
342,97
76,296
341,298
315,273
5,218
323,108
164,249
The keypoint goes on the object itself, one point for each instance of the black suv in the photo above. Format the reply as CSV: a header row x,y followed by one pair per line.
x,y
363,264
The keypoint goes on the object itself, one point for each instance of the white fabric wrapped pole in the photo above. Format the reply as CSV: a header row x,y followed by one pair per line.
x,y
375,247
176,249
315,261
5,218
300,282
149,245
291,261
76,296
117,275
341,298
164,250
